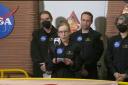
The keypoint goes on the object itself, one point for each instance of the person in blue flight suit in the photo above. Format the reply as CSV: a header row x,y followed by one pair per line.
x,y
40,42
117,51
92,46
63,53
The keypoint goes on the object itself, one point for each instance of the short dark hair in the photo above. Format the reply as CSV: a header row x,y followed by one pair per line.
x,y
88,13
47,12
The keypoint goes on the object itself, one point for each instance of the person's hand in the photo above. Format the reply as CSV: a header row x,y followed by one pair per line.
x,y
57,60
84,72
116,75
54,60
43,67
122,77
68,61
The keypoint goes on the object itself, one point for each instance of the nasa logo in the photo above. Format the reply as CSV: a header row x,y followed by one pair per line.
x,y
6,21
43,38
117,44
59,51
79,38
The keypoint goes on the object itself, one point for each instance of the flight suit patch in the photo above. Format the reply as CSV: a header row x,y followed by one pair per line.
x,y
59,51
51,39
79,38
125,46
43,38
69,54
117,44
87,39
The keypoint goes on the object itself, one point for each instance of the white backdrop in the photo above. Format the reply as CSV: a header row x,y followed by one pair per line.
x,y
64,8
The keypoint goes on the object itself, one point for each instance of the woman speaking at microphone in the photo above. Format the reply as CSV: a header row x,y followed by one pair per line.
x,y
63,53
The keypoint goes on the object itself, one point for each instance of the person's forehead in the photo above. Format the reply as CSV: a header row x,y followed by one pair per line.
x,y
63,28
121,19
45,16
86,16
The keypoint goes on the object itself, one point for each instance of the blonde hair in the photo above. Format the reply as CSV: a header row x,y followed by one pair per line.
x,y
65,22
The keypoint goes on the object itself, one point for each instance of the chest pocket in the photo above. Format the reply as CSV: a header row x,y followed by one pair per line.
x,y
69,52
88,42
46,40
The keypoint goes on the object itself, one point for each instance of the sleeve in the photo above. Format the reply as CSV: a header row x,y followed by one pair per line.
x,y
78,61
99,47
49,63
35,52
72,37
109,57
97,50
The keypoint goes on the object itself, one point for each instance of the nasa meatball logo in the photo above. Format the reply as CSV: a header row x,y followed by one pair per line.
x,y
43,38
6,21
117,44
79,38
59,51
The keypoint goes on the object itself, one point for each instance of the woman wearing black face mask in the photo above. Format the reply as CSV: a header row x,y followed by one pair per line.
x,y
46,24
39,45
117,51
122,28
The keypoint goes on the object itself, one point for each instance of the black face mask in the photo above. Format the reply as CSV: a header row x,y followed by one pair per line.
x,y
122,28
46,24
